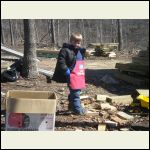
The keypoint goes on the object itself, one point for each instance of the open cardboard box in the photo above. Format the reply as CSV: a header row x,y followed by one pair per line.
x,y
30,110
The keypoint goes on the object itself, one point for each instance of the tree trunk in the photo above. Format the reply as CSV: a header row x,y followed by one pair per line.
x,y
30,69
21,30
83,32
112,31
58,33
101,31
37,35
97,31
11,33
53,32
16,33
2,34
89,37
120,38
115,30
69,31
49,31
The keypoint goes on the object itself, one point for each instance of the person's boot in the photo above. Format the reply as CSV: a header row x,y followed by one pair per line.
x,y
82,112
70,106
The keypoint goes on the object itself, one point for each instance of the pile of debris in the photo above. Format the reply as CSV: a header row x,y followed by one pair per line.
x,y
136,72
102,49
107,113
120,112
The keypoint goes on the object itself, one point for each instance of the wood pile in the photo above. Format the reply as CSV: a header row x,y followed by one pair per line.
x,y
136,72
104,49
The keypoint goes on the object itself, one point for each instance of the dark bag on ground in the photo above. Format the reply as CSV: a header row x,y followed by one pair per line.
x,y
12,74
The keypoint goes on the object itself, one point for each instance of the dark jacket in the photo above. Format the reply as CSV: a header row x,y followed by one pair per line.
x,y
66,59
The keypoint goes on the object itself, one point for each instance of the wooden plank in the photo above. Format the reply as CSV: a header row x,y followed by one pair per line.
x,y
143,92
46,72
118,120
111,123
143,53
99,44
135,72
9,58
18,54
11,51
124,115
102,127
125,99
101,98
141,60
107,106
84,97
126,66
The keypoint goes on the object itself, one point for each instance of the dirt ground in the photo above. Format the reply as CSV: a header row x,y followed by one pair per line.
x,y
96,68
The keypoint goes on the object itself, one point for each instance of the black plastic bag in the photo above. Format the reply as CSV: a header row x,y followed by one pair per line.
x,y
10,75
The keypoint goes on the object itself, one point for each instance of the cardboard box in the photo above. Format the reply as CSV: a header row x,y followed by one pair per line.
x,y
30,110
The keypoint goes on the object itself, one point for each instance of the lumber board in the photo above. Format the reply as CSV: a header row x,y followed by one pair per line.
x,y
18,54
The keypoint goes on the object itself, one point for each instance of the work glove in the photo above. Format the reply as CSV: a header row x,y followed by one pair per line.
x,y
68,72
68,76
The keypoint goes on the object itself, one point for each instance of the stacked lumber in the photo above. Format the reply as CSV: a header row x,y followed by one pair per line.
x,y
99,44
136,72
142,58
104,49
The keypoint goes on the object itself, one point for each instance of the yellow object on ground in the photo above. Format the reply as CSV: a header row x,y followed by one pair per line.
x,y
144,101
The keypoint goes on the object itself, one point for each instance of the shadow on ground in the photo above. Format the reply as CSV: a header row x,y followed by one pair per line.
x,y
94,76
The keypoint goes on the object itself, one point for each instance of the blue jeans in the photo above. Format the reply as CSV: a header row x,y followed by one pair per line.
x,y
74,100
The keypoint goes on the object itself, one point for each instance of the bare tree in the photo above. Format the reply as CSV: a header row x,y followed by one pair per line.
x,y
83,32
21,30
49,30
53,32
112,31
69,30
36,32
2,34
17,34
97,31
120,38
58,32
101,31
30,69
11,33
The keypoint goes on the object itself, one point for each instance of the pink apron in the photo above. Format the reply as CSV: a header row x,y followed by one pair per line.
x,y
77,76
